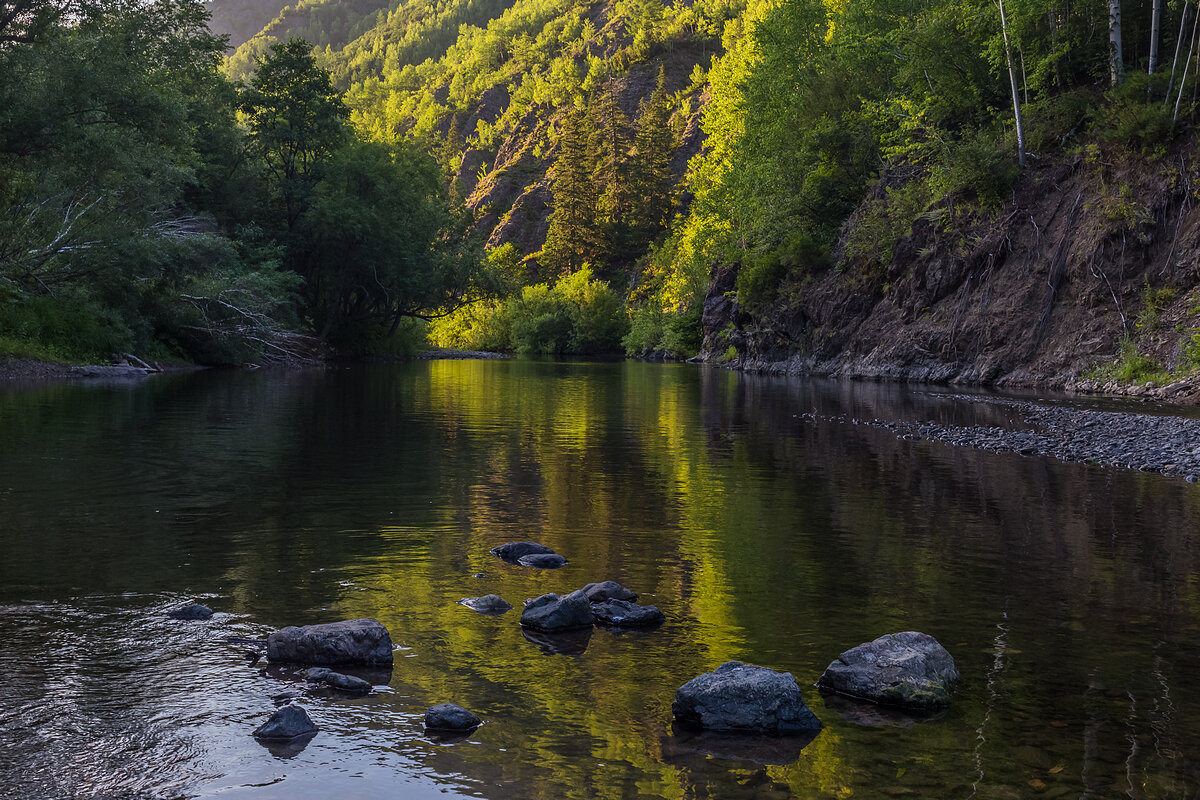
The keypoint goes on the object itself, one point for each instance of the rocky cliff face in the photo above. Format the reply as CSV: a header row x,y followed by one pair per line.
x,y
1089,252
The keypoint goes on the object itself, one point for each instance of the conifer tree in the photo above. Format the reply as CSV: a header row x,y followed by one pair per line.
x,y
612,142
572,237
654,145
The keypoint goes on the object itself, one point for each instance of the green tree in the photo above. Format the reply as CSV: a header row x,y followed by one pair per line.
x,y
572,236
653,183
297,120
612,175
380,244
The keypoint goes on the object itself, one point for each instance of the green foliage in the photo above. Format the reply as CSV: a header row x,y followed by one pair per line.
x,y
678,333
1153,302
884,220
74,328
1129,118
1131,367
977,168
572,238
578,314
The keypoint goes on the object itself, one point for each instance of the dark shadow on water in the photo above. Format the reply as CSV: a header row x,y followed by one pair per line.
x,y
286,748
686,747
569,643
872,715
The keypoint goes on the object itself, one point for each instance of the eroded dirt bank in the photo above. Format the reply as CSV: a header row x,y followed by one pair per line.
x,y
1089,253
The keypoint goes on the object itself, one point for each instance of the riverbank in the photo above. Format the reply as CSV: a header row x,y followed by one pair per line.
x,y
1166,444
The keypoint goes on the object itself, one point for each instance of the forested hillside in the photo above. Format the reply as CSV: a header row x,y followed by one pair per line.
x,y
846,187
860,160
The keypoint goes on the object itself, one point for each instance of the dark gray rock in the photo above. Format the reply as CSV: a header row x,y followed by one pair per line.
x,y
289,722
623,614
908,670
317,674
608,590
348,683
488,604
542,561
552,613
192,611
355,641
744,697
449,717
514,550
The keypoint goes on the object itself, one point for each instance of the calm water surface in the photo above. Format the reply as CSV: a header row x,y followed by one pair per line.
x,y
1069,595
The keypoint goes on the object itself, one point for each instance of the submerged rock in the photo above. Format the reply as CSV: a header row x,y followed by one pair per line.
x,y
744,697
339,681
542,561
909,670
348,683
192,611
551,613
449,717
608,590
623,614
355,641
289,722
488,604
514,550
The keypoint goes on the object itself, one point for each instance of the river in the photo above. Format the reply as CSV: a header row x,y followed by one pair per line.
x,y
1068,594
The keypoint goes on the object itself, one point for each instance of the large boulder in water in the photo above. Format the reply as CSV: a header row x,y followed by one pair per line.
x,y
744,698
909,670
623,614
289,722
355,641
552,613
608,590
514,550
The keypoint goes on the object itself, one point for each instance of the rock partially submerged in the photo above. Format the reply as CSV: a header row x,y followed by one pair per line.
x,y
355,641
336,680
542,560
746,698
192,611
623,614
289,722
551,613
608,590
515,550
449,717
909,670
488,604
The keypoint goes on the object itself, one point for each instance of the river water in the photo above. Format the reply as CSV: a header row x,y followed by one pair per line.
x,y
1068,594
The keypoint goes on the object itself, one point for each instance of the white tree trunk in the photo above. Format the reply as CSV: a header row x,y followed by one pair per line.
x,y
1116,65
1012,80
1155,23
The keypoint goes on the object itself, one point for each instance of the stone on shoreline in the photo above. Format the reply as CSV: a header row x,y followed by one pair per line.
x,y
542,560
449,717
744,698
551,613
909,670
514,550
623,614
355,641
608,590
488,604
289,722
192,611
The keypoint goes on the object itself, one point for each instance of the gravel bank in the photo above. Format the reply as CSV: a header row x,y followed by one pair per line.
x,y
1166,444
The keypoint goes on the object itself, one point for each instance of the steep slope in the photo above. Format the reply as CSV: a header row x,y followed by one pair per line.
x,y
241,19
1094,260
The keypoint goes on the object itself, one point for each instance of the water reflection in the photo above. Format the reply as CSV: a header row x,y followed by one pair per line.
x,y
1067,594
